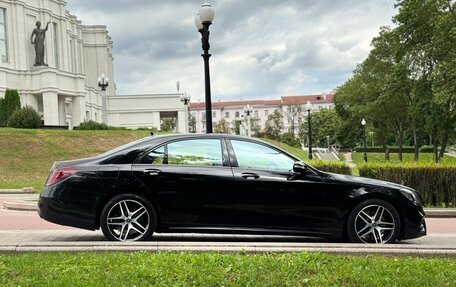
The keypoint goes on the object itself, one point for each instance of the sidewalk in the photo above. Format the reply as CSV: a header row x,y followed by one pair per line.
x,y
77,240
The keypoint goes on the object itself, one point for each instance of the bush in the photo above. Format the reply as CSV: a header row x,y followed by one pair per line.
x,y
395,149
434,182
8,105
331,166
92,125
25,118
290,140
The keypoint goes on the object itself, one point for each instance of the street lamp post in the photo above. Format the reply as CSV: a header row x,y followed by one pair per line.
x,y
202,21
185,99
103,83
248,110
309,108
363,124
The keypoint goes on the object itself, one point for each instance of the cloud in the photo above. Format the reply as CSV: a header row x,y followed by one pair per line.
x,y
260,49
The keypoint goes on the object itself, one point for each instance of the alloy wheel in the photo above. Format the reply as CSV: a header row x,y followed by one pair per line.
x,y
128,220
375,224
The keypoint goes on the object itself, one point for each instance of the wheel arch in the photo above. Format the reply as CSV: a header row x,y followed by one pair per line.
x,y
141,192
386,196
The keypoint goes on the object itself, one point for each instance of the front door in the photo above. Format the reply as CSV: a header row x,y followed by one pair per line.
x,y
271,195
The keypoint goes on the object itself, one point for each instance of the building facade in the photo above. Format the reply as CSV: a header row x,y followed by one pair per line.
x,y
136,111
64,91
232,111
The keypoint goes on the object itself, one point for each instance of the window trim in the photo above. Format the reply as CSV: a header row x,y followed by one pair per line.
x,y
224,152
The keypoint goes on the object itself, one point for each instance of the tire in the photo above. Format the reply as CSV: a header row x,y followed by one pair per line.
x,y
373,221
128,217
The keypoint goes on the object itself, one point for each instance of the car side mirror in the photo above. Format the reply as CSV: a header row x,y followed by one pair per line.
x,y
300,167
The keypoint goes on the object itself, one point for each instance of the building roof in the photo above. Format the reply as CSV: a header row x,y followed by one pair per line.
x,y
285,100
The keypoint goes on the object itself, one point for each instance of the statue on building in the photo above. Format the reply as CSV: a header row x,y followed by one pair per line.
x,y
40,35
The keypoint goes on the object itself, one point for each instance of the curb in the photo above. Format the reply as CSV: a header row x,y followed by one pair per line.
x,y
25,190
228,247
440,212
20,205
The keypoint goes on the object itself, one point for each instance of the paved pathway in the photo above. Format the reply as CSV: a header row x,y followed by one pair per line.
x,y
349,160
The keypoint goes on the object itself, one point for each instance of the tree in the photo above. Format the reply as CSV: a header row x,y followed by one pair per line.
x,y
192,123
10,103
428,36
273,128
236,127
2,112
324,123
222,127
168,124
294,112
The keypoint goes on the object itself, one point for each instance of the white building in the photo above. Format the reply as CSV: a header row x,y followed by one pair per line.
x,y
231,111
66,91
135,111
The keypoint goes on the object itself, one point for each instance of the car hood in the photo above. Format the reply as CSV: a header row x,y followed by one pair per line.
x,y
362,181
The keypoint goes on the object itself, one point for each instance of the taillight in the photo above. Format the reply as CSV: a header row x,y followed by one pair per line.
x,y
59,174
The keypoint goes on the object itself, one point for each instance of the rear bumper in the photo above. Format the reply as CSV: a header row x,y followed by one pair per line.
x,y
52,210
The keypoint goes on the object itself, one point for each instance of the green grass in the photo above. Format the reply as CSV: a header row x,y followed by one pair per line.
x,y
358,157
215,269
27,155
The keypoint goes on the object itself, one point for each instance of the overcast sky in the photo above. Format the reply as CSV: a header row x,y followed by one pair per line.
x,y
261,49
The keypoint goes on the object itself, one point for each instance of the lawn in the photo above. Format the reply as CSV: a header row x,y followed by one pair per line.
x,y
358,157
216,269
298,152
27,155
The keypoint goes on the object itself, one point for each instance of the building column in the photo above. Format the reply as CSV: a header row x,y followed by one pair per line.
x,y
181,122
51,108
78,110
156,120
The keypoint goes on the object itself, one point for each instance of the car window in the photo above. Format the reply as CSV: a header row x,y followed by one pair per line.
x,y
258,156
157,156
203,152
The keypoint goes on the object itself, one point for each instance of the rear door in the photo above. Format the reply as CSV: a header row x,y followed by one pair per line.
x,y
191,179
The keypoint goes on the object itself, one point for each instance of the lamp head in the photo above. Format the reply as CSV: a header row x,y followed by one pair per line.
x,y
308,106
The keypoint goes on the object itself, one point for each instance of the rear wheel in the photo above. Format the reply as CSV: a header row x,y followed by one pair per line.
x,y
374,221
128,217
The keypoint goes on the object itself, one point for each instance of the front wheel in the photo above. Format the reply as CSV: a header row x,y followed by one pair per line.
x,y
128,217
373,221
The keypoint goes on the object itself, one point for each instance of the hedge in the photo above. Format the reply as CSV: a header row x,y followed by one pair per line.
x,y
395,149
436,183
331,166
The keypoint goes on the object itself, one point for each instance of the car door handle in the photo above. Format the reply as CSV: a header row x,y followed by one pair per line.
x,y
248,175
152,171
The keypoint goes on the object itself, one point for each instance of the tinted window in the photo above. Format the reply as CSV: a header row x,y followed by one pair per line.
x,y
156,156
257,156
207,152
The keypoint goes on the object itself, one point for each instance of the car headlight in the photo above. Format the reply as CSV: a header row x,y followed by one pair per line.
x,y
411,195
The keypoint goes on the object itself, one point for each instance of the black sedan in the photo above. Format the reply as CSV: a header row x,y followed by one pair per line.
x,y
225,184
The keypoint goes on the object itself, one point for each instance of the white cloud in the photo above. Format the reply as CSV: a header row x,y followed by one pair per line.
x,y
261,49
